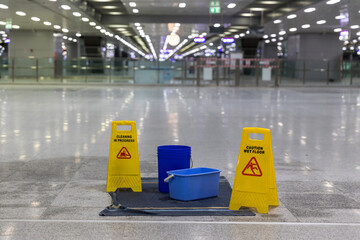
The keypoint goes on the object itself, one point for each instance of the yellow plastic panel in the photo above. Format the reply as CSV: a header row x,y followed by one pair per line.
x,y
255,183
124,165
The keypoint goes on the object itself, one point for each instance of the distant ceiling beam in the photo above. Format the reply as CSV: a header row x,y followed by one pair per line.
x,y
127,19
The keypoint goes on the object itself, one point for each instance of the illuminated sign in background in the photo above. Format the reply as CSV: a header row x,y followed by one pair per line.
x,y
344,35
228,40
199,39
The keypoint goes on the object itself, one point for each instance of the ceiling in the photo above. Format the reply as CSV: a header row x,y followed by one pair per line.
x,y
118,17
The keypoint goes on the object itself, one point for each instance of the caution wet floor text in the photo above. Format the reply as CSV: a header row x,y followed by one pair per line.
x,y
255,184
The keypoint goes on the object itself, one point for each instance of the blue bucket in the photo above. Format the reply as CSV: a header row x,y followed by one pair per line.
x,y
171,157
193,183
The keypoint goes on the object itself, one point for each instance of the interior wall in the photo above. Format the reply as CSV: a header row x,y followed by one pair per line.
x,y
24,43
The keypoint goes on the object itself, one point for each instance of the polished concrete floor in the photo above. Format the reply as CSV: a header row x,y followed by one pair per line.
x,y
55,144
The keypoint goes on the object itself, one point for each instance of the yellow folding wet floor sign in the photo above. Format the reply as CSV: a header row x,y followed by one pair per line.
x,y
124,165
255,183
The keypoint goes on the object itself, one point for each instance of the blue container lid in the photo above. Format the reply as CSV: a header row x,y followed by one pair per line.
x,y
174,147
188,172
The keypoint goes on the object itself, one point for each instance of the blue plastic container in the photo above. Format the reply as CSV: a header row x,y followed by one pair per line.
x,y
193,183
171,157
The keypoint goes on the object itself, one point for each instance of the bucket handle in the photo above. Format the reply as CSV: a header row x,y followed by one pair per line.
x,y
168,178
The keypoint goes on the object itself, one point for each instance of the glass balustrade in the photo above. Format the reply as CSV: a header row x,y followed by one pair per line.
x,y
195,72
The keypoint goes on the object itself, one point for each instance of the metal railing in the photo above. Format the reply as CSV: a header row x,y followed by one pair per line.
x,y
198,72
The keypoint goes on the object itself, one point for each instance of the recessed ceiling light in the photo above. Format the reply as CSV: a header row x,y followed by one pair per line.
x,y
231,5
247,14
305,26
115,13
70,38
282,33
132,4
236,36
98,27
321,22
65,7
256,9
137,24
182,5
2,23
92,23
273,35
277,21
36,19
267,41
354,26
309,10
57,27
65,37
65,30
3,6
15,26
242,34
217,25
269,2
265,36
291,16
340,17
52,0
77,14
20,13
293,29
74,40
78,34
287,9
337,30
135,10
273,40
332,1
109,7
85,19
281,38
47,23
102,30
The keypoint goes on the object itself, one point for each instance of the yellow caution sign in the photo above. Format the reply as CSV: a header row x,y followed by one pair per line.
x,y
255,183
124,165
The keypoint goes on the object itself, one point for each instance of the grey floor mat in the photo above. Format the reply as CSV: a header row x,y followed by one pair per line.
x,y
152,202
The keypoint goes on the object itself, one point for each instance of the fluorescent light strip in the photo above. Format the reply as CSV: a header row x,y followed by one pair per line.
x,y
151,46
178,47
194,51
165,44
111,35
129,45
